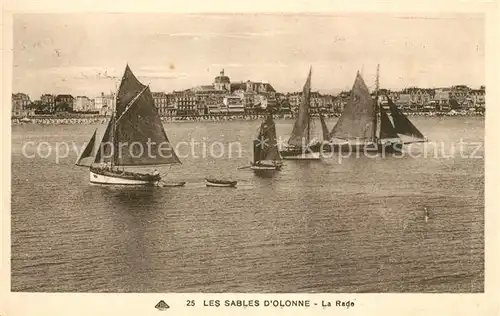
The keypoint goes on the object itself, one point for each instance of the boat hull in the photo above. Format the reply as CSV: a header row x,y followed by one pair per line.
x,y
128,178
219,183
264,167
364,148
299,155
172,184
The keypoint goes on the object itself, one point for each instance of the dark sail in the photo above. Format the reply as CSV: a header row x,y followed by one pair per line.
x,y
130,87
402,125
357,119
265,147
139,136
324,128
87,152
105,150
257,148
300,131
386,127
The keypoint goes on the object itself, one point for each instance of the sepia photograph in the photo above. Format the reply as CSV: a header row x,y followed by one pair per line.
x,y
248,153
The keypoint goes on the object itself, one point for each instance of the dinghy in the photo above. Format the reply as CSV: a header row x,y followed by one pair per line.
x,y
171,184
220,183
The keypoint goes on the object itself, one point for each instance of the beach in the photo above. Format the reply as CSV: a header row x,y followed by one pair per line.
x,y
100,119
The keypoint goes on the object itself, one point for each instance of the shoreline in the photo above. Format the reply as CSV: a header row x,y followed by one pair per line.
x,y
98,119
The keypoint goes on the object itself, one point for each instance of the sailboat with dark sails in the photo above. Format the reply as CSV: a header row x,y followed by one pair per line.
x,y
134,137
403,126
358,128
299,145
265,148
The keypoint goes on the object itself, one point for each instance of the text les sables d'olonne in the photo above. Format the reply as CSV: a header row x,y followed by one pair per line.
x,y
271,303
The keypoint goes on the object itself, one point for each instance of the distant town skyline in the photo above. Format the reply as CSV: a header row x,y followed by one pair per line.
x,y
73,53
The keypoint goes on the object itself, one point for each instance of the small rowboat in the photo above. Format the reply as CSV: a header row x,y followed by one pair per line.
x,y
220,183
265,166
171,184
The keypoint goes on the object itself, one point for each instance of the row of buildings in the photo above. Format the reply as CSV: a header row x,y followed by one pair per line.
x,y
250,97
221,97
458,97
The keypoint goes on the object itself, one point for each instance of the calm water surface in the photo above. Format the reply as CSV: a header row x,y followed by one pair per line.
x,y
354,225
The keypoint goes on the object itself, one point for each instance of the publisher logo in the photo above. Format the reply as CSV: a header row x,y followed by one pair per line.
x,y
162,306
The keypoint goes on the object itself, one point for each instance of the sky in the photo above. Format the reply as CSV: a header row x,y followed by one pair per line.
x,y
85,54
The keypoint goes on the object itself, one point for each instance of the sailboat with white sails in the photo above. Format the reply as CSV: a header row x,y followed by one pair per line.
x,y
134,137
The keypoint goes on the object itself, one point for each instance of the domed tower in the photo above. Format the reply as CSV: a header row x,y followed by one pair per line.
x,y
222,82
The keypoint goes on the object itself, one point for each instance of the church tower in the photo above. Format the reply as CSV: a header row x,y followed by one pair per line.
x,y
222,82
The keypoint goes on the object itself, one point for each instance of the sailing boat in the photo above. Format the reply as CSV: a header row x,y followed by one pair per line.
x,y
357,125
403,126
298,143
134,137
265,147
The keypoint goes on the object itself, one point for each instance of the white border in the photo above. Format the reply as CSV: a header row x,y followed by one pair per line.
x,y
366,304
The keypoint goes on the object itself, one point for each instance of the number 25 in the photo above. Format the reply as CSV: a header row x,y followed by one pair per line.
x,y
190,303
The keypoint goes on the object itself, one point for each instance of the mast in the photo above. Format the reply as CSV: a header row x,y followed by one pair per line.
x,y
309,108
375,103
113,138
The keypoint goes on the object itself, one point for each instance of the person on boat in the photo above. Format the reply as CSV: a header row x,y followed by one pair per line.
x,y
155,172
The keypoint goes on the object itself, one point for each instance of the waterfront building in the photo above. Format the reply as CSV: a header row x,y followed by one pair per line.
x,y
294,99
283,105
404,102
21,105
213,103
224,96
478,97
160,101
341,101
48,102
328,103
208,99
441,99
165,103
106,101
20,101
416,99
83,104
318,103
222,82
64,102
250,100
186,103
460,93
254,86
233,104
